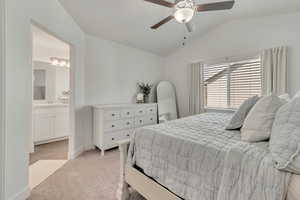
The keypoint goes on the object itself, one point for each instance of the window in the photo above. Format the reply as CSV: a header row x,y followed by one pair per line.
x,y
228,85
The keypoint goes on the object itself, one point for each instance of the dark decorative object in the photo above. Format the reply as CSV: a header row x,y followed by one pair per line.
x,y
145,88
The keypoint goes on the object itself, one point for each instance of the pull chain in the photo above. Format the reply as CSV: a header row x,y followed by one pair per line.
x,y
185,37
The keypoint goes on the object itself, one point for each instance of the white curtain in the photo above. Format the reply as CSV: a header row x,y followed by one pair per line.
x,y
274,71
196,89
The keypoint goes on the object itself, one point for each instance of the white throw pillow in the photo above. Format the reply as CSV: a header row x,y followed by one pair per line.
x,y
240,115
285,97
258,123
297,94
285,137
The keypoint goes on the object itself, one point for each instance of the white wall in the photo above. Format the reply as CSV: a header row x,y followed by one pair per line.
x,y
2,96
240,37
43,53
51,15
113,70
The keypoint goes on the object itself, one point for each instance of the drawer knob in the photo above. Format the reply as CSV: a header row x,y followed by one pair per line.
x,y
112,126
151,119
128,123
128,135
151,110
128,113
112,138
141,121
140,111
113,114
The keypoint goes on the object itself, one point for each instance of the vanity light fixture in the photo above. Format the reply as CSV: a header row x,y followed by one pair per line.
x,y
61,62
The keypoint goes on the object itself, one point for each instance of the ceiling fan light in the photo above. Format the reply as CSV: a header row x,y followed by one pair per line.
x,y
184,15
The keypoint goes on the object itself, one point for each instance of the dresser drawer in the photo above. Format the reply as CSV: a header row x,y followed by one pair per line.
x,y
111,138
151,119
119,124
140,111
113,125
112,115
127,123
151,110
126,134
127,113
140,121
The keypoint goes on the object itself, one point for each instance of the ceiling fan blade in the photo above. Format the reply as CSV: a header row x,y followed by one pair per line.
x,y
189,27
225,5
162,3
162,22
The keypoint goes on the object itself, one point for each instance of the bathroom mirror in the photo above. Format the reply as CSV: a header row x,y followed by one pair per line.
x,y
166,100
39,83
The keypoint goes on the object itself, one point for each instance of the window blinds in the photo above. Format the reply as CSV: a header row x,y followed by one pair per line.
x,y
245,82
228,85
215,78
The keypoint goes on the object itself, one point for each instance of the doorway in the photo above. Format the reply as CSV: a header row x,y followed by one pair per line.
x,y
51,105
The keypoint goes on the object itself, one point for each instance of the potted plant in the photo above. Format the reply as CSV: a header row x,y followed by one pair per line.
x,y
145,89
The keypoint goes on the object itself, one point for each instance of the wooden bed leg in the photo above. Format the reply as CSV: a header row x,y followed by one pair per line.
x,y
123,190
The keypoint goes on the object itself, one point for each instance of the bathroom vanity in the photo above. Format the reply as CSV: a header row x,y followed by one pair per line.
x,y
50,122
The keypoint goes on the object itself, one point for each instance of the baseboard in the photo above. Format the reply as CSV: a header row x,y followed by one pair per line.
x,y
80,150
52,140
89,147
76,153
22,195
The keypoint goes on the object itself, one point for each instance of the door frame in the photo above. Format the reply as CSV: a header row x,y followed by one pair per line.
x,y
72,58
2,99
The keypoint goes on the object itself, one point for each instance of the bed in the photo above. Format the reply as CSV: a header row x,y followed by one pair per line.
x,y
196,158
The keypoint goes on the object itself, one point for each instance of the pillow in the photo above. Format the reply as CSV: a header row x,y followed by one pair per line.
x,y
297,94
258,123
285,97
240,115
285,137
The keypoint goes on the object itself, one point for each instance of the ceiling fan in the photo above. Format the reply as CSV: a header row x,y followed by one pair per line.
x,y
184,10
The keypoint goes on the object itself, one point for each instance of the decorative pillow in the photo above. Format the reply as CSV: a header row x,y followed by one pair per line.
x,y
297,94
285,137
258,123
285,97
240,115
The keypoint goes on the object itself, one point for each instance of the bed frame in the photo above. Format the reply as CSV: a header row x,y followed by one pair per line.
x,y
136,180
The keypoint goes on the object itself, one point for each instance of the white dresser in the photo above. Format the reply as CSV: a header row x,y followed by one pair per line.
x,y
116,122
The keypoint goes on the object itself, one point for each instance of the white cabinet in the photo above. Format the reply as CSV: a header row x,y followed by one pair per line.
x,y
113,123
43,127
62,125
50,123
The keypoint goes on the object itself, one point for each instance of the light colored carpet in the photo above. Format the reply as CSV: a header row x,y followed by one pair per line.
x,y
51,151
42,169
89,177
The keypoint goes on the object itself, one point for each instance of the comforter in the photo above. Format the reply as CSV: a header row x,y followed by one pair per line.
x,y
197,159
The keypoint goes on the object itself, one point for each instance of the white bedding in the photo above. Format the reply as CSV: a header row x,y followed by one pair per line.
x,y
197,159
294,188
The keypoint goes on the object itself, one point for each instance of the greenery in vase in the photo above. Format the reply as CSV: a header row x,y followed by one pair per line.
x,y
145,88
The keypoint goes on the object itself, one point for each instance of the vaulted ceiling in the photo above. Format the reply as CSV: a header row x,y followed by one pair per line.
x,y
129,21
